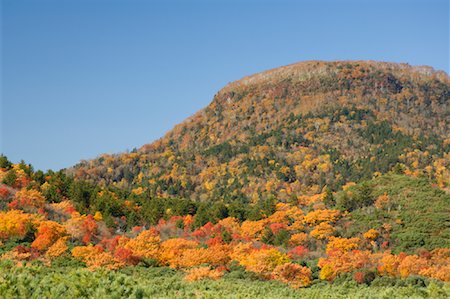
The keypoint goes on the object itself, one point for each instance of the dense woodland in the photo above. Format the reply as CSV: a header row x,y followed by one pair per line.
x,y
312,177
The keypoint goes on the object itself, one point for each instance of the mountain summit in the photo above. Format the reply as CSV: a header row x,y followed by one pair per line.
x,y
295,130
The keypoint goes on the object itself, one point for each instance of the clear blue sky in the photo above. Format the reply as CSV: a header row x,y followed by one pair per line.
x,y
81,78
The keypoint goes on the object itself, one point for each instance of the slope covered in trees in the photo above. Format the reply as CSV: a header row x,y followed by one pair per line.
x,y
319,176
294,130
380,233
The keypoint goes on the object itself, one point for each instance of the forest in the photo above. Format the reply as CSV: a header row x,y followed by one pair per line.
x,y
312,180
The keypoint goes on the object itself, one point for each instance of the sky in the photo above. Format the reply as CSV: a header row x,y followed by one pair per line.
x,y
84,77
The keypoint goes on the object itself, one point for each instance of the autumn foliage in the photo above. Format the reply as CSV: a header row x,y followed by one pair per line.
x,y
95,257
48,232
15,224
27,200
312,170
293,274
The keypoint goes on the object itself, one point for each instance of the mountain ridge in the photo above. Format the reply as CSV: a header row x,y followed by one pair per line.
x,y
311,66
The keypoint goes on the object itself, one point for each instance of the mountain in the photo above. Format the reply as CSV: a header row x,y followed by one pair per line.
x,y
308,174
294,130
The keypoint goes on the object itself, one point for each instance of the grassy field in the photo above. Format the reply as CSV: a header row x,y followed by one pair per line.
x,y
38,281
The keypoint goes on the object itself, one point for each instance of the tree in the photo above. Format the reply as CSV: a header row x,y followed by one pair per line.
x,y
15,224
82,194
362,196
342,244
4,162
48,232
82,227
263,261
10,178
58,248
28,200
371,234
172,251
145,245
328,198
293,274
322,231
96,257
318,216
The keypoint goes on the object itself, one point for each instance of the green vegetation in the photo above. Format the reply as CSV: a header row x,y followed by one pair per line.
x,y
67,282
418,213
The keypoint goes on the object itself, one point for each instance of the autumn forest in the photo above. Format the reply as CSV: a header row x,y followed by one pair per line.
x,y
313,180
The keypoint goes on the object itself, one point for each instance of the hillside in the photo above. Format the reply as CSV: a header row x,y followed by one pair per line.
x,y
294,130
326,179
387,237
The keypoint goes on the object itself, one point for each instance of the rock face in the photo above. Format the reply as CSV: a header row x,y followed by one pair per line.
x,y
294,130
